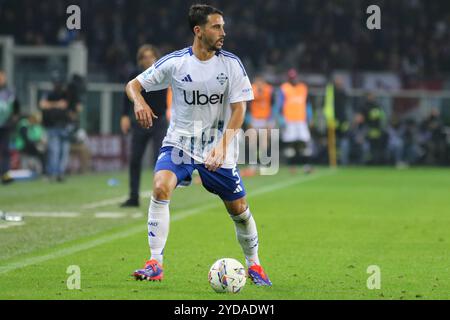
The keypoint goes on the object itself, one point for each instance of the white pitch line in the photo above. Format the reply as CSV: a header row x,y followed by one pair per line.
x,y
70,250
137,229
110,215
99,215
48,214
11,225
103,203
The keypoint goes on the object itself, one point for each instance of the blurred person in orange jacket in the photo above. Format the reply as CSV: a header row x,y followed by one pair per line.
x,y
260,117
293,113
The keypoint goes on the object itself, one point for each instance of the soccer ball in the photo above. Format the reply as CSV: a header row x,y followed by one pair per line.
x,y
227,275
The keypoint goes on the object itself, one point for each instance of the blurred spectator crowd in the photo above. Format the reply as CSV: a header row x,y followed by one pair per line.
x,y
366,135
42,142
311,35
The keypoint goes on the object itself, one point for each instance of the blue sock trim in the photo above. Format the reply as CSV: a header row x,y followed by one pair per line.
x,y
243,217
162,202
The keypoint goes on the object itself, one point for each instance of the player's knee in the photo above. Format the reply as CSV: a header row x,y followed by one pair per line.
x,y
237,207
161,191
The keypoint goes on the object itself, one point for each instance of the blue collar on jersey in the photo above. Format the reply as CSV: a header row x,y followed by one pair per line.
x,y
191,52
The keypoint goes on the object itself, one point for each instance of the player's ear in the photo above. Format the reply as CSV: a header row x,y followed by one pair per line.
x,y
198,31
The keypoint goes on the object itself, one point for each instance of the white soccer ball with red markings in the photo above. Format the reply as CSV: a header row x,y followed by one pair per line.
x,y
227,275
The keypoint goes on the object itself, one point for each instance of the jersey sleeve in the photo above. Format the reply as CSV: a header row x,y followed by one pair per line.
x,y
155,78
240,86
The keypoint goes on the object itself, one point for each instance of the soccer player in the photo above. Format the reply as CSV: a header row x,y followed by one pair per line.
x,y
210,88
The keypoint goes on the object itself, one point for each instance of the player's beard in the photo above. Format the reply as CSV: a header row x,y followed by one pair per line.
x,y
213,45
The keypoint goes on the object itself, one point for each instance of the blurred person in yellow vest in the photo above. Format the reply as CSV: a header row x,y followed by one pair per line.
x,y
293,113
375,118
343,113
260,117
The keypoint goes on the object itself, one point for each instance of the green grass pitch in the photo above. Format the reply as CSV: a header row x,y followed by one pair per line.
x,y
318,236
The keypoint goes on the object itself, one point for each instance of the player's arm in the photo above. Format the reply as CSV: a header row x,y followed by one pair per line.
x,y
216,157
157,77
125,122
241,91
248,118
144,114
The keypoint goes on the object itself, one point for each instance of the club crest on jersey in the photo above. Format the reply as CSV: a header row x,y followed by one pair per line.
x,y
222,78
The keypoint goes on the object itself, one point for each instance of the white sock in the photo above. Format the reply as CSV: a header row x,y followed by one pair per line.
x,y
158,227
247,236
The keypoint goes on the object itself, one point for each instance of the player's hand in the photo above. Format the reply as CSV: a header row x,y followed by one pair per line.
x,y
125,124
144,115
216,158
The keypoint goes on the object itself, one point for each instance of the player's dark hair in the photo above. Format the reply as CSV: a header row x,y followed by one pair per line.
x,y
198,14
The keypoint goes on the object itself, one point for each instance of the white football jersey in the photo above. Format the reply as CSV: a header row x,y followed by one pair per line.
x,y
201,95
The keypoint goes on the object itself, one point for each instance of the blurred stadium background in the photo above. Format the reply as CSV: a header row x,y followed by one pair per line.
x,y
391,100
405,65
